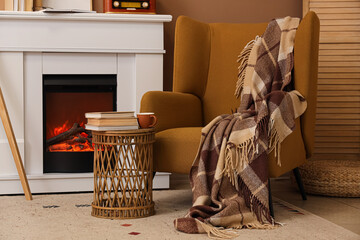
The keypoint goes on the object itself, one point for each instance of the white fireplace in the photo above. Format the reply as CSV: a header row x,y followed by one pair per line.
x,y
129,46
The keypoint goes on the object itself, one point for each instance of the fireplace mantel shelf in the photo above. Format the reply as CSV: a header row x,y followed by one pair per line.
x,y
85,16
130,46
82,32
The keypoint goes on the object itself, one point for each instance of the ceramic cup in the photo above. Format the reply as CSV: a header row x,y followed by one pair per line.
x,y
146,120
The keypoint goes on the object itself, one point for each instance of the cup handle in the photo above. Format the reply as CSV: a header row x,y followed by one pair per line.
x,y
154,120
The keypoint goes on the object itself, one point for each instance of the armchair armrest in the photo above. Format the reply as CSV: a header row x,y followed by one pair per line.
x,y
173,109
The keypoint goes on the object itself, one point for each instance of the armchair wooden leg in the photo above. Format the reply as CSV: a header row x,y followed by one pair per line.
x,y
271,208
299,182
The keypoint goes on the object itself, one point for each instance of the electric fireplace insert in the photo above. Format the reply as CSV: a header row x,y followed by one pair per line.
x,y
66,98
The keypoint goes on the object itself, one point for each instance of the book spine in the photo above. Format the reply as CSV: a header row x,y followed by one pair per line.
x,y
108,116
38,5
112,124
104,128
29,5
2,5
16,5
9,5
21,5
113,121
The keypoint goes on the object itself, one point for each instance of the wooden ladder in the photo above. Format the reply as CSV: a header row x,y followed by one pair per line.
x,y
14,147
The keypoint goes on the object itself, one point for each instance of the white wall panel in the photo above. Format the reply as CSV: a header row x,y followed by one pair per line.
x,y
11,82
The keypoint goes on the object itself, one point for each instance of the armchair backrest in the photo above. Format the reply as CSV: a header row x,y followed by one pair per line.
x,y
205,65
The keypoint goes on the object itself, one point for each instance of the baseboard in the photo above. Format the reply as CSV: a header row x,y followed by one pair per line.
x,y
55,182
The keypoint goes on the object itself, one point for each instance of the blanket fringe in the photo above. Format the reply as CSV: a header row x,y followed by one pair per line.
x,y
257,226
218,232
274,142
237,157
243,58
258,208
231,232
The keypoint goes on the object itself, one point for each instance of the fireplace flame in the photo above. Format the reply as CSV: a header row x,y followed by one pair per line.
x,y
80,142
61,129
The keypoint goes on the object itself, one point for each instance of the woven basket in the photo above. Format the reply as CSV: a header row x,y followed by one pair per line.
x,y
332,177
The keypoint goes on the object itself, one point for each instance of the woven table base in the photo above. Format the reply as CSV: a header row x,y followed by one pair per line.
x,y
123,174
337,178
122,212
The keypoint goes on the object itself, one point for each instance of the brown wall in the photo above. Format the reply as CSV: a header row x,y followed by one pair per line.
x,y
216,11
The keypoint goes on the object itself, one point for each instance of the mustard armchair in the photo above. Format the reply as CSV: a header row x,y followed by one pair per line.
x,y
204,79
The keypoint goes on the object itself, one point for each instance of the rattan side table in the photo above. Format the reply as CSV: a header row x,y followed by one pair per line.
x,y
123,173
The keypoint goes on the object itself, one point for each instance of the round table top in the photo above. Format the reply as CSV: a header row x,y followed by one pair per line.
x,y
124,132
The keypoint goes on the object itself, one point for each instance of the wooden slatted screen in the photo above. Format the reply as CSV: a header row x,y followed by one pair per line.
x,y
337,130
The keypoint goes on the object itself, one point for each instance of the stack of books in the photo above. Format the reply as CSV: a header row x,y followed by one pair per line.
x,y
111,121
16,5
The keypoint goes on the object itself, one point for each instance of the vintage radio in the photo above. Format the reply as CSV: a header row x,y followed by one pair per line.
x,y
129,6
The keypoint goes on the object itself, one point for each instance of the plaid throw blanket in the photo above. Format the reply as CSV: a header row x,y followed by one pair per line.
x,y
229,176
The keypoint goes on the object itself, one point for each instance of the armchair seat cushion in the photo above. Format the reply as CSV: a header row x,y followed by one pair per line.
x,y
175,149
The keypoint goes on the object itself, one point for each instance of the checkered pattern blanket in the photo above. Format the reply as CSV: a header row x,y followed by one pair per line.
x,y
229,176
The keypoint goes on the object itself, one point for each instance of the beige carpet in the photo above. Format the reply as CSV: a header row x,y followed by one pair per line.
x,y
67,216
